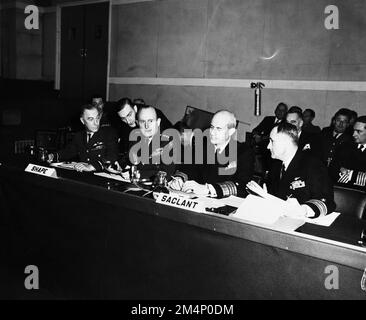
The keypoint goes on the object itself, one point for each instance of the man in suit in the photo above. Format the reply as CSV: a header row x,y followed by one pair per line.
x,y
127,112
262,131
308,142
308,116
266,125
149,153
349,166
298,174
336,136
94,146
227,164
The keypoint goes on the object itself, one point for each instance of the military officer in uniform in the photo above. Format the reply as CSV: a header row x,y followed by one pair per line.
x,y
147,154
349,165
94,147
232,164
298,174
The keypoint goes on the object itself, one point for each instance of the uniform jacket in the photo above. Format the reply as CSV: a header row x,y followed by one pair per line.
x,y
101,148
155,160
311,143
265,126
238,171
305,179
331,145
125,130
350,157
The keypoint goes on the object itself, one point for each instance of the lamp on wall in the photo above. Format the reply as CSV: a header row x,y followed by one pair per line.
x,y
257,86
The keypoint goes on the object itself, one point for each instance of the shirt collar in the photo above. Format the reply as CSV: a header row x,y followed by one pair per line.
x,y
287,162
222,148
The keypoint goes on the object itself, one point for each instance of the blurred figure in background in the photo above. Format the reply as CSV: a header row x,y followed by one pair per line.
x,y
308,116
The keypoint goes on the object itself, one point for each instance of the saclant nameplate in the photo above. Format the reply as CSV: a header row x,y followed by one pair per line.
x,y
196,205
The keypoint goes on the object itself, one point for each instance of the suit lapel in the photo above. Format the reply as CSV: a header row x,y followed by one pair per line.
x,y
289,173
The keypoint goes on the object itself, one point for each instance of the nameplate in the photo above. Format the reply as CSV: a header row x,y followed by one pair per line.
x,y
181,202
43,171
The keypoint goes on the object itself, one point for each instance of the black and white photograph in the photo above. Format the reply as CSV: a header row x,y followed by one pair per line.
x,y
182,156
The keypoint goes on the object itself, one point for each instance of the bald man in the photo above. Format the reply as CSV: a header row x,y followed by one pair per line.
x,y
227,171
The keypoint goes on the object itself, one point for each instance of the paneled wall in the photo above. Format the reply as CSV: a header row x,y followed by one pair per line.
x,y
239,39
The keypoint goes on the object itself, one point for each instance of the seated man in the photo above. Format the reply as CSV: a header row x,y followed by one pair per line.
x,y
308,116
262,131
349,166
308,142
335,137
147,154
94,147
226,166
127,112
298,174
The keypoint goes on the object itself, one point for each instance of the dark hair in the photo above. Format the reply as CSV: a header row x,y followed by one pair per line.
x,y
282,104
181,126
121,103
353,114
297,110
343,112
288,129
361,119
138,102
312,112
88,107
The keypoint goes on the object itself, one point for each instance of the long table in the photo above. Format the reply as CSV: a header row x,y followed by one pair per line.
x,y
91,240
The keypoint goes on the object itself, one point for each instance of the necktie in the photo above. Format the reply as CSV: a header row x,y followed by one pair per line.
x,y
282,172
361,147
88,137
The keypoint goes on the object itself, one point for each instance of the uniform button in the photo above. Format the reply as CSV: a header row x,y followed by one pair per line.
x,y
99,155
88,159
87,151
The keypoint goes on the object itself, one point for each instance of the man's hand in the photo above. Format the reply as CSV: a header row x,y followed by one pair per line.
x,y
82,166
50,157
114,168
257,189
176,183
193,187
293,209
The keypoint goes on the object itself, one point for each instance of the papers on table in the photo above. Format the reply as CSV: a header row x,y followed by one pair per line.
x,y
259,210
325,221
270,211
64,165
111,176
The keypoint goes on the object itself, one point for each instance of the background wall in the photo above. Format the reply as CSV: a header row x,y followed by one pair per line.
x,y
27,54
232,39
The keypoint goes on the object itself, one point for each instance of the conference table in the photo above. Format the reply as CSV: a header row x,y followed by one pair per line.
x,y
90,239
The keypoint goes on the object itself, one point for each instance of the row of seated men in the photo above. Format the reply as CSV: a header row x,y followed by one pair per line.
x,y
341,146
220,166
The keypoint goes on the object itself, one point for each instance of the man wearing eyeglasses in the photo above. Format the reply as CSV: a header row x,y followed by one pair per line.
x,y
92,147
